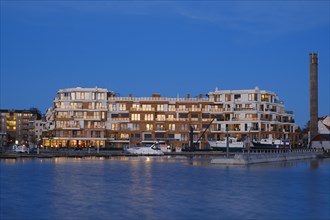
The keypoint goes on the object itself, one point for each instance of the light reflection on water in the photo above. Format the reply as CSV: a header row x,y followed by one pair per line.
x,y
162,188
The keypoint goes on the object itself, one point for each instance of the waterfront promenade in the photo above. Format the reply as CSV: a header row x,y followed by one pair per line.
x,y
216,157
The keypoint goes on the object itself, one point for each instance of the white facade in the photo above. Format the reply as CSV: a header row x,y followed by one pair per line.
x,y
254,110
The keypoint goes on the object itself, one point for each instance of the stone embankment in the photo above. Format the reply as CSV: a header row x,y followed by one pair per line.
x,y
266,156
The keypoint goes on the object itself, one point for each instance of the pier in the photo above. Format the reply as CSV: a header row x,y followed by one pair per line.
x,y
266,156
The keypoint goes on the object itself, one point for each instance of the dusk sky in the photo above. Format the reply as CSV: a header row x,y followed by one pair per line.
x,y
167,47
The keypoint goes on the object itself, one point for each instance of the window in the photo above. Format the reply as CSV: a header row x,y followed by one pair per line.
x,y
171,108
135,117
204,126
123,126
160,127
114,115
149,127
125,115
161,108
147,136
124,136
184,127
265,98
149,117
160,117
136,127
183,115
205,115
170,117
112,107
253,97
87,95
159,136
184,137
136,106
171,127
146,107
237,97
122,107
114,127
182,107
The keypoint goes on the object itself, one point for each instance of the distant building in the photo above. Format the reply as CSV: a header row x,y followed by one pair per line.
x,y
322,139
16,126
83,117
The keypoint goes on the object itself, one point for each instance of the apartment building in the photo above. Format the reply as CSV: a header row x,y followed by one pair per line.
x,y
17,127
84,117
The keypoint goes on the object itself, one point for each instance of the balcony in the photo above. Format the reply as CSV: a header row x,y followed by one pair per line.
x,y
118,119
245,119
160,130
93,118
143,109
95,127
71,127
244,109
212,110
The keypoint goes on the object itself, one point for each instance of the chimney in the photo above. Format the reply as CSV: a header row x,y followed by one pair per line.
x,y
313,126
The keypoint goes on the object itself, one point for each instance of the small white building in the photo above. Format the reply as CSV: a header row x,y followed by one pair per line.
x,y
322,140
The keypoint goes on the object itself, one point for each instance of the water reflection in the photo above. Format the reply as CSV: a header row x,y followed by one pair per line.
x,y
162,188
314,164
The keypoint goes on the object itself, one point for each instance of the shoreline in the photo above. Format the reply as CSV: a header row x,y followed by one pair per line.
x,y
118,153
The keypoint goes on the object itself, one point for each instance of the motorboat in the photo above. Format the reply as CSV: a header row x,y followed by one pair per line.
x,y
20,149
270,143
233,143
153,149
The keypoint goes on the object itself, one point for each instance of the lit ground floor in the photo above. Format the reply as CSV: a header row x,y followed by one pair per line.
x,y
172,141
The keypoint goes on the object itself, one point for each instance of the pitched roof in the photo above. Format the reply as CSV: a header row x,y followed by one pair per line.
x,y
322,137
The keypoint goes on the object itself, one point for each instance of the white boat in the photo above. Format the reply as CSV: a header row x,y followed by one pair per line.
x,y
145,150
234,144
20,148
269,143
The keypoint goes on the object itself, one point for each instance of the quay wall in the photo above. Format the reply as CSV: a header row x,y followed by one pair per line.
x,y
268,156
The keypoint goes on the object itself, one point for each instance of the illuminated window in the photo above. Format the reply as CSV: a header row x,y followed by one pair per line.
x,y
149,117
265,98
160,107
122,107
149,127
135,117
146,107
115,127
182,107
171,108
160,117
124,136
170,117
136,106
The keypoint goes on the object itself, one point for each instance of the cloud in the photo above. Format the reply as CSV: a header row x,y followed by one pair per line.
x,y
269,18
259,17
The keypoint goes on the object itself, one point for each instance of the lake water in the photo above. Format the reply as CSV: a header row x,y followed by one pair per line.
x,y
162,188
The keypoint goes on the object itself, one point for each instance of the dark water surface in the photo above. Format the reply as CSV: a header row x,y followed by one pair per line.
x,y
162,188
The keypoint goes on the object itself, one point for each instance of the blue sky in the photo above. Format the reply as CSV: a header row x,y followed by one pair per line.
x,y
168,47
